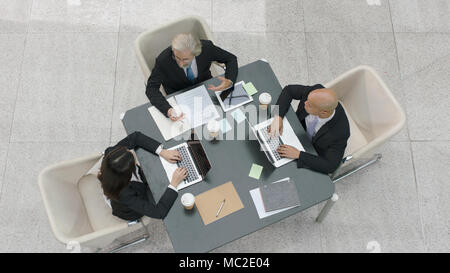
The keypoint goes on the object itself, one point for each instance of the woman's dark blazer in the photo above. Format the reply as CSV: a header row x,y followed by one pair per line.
x,y
136,200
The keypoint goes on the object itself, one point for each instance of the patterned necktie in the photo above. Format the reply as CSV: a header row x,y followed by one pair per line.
x,y
190,74
311,126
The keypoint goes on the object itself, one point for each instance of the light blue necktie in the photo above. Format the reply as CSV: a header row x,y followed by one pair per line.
x,y
190,74
311,126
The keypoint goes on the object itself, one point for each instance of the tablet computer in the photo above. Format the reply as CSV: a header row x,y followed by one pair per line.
x,y
233,97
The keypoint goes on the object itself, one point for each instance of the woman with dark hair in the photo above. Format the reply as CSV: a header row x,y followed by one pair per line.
x,y
124,182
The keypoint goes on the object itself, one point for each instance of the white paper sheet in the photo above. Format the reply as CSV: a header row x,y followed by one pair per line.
x,y
197,106
167,127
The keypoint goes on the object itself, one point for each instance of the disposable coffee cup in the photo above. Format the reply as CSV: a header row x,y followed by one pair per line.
x,y
213,128
188,200
264,100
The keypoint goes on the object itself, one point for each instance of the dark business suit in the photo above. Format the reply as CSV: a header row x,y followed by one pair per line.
x,y
136,199
172,77
330,141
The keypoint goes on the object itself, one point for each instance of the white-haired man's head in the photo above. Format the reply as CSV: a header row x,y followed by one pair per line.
x,y
185,47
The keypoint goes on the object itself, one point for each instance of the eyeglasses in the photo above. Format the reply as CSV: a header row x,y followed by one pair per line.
x,y
185,60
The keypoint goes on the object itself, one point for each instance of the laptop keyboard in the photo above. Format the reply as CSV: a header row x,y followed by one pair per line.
x,y
187,163
274,142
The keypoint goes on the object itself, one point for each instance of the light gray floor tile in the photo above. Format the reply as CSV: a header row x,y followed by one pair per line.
x,y
75,16
298,233
417,51
420,15
67,92
141,15
3,153
346,16
24,222
427,98
257,16
332,54
130,84
11,56
431,160
14,15
377,204
285,52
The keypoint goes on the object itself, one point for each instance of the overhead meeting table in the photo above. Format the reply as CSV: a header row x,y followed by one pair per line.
x,y
231,160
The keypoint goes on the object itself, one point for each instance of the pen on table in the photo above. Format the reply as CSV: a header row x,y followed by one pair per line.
x,y
221,206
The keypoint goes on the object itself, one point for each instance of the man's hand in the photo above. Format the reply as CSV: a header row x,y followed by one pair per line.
x,y
276,127
224,84
173,115
171,156
288,151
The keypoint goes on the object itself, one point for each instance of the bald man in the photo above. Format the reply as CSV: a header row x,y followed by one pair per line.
x,y
324,121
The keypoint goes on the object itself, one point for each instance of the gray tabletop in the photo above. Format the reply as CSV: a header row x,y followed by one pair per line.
x,y
231,160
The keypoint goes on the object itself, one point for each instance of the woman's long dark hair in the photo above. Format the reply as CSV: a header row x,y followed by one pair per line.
x,y
115,171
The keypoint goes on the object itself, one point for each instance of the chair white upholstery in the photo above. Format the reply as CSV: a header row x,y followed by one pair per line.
x,y
77,211
373,113
151,43
372,110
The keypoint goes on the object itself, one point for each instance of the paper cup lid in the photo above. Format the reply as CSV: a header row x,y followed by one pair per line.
x,y
265,98
213,125
187,199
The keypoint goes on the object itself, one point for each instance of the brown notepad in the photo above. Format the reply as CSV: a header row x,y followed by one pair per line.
x,y
209,202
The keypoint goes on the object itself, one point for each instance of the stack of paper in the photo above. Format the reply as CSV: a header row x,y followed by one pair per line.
x,y
196,106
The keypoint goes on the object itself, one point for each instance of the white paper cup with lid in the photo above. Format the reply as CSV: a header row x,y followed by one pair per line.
x,y
188,201
264,100
213,128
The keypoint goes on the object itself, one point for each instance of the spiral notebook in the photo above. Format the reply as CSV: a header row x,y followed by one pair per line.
x,y
280,194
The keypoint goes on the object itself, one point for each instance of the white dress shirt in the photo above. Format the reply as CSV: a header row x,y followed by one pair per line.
x,y
193,67
320,122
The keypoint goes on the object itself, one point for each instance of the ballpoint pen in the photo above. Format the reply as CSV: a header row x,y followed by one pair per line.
x,y
221,206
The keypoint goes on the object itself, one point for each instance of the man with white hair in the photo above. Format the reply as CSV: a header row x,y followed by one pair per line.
x,y
185,63
324,121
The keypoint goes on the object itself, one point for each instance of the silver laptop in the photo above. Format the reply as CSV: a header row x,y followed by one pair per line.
x,y
270,144
193,158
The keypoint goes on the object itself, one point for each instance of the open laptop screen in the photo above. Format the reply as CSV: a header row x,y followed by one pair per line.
x,y
199,155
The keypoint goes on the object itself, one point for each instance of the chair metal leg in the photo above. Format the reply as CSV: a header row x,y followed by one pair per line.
x,y
145,228
135,242
323,213
374,159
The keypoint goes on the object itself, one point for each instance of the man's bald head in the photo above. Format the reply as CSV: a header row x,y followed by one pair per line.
x,y
321,102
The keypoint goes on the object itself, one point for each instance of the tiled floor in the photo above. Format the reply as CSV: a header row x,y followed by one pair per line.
x,y
68,71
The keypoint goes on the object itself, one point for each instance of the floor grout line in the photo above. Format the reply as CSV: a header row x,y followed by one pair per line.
x,y
19,84
237,31
115,75
409,137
